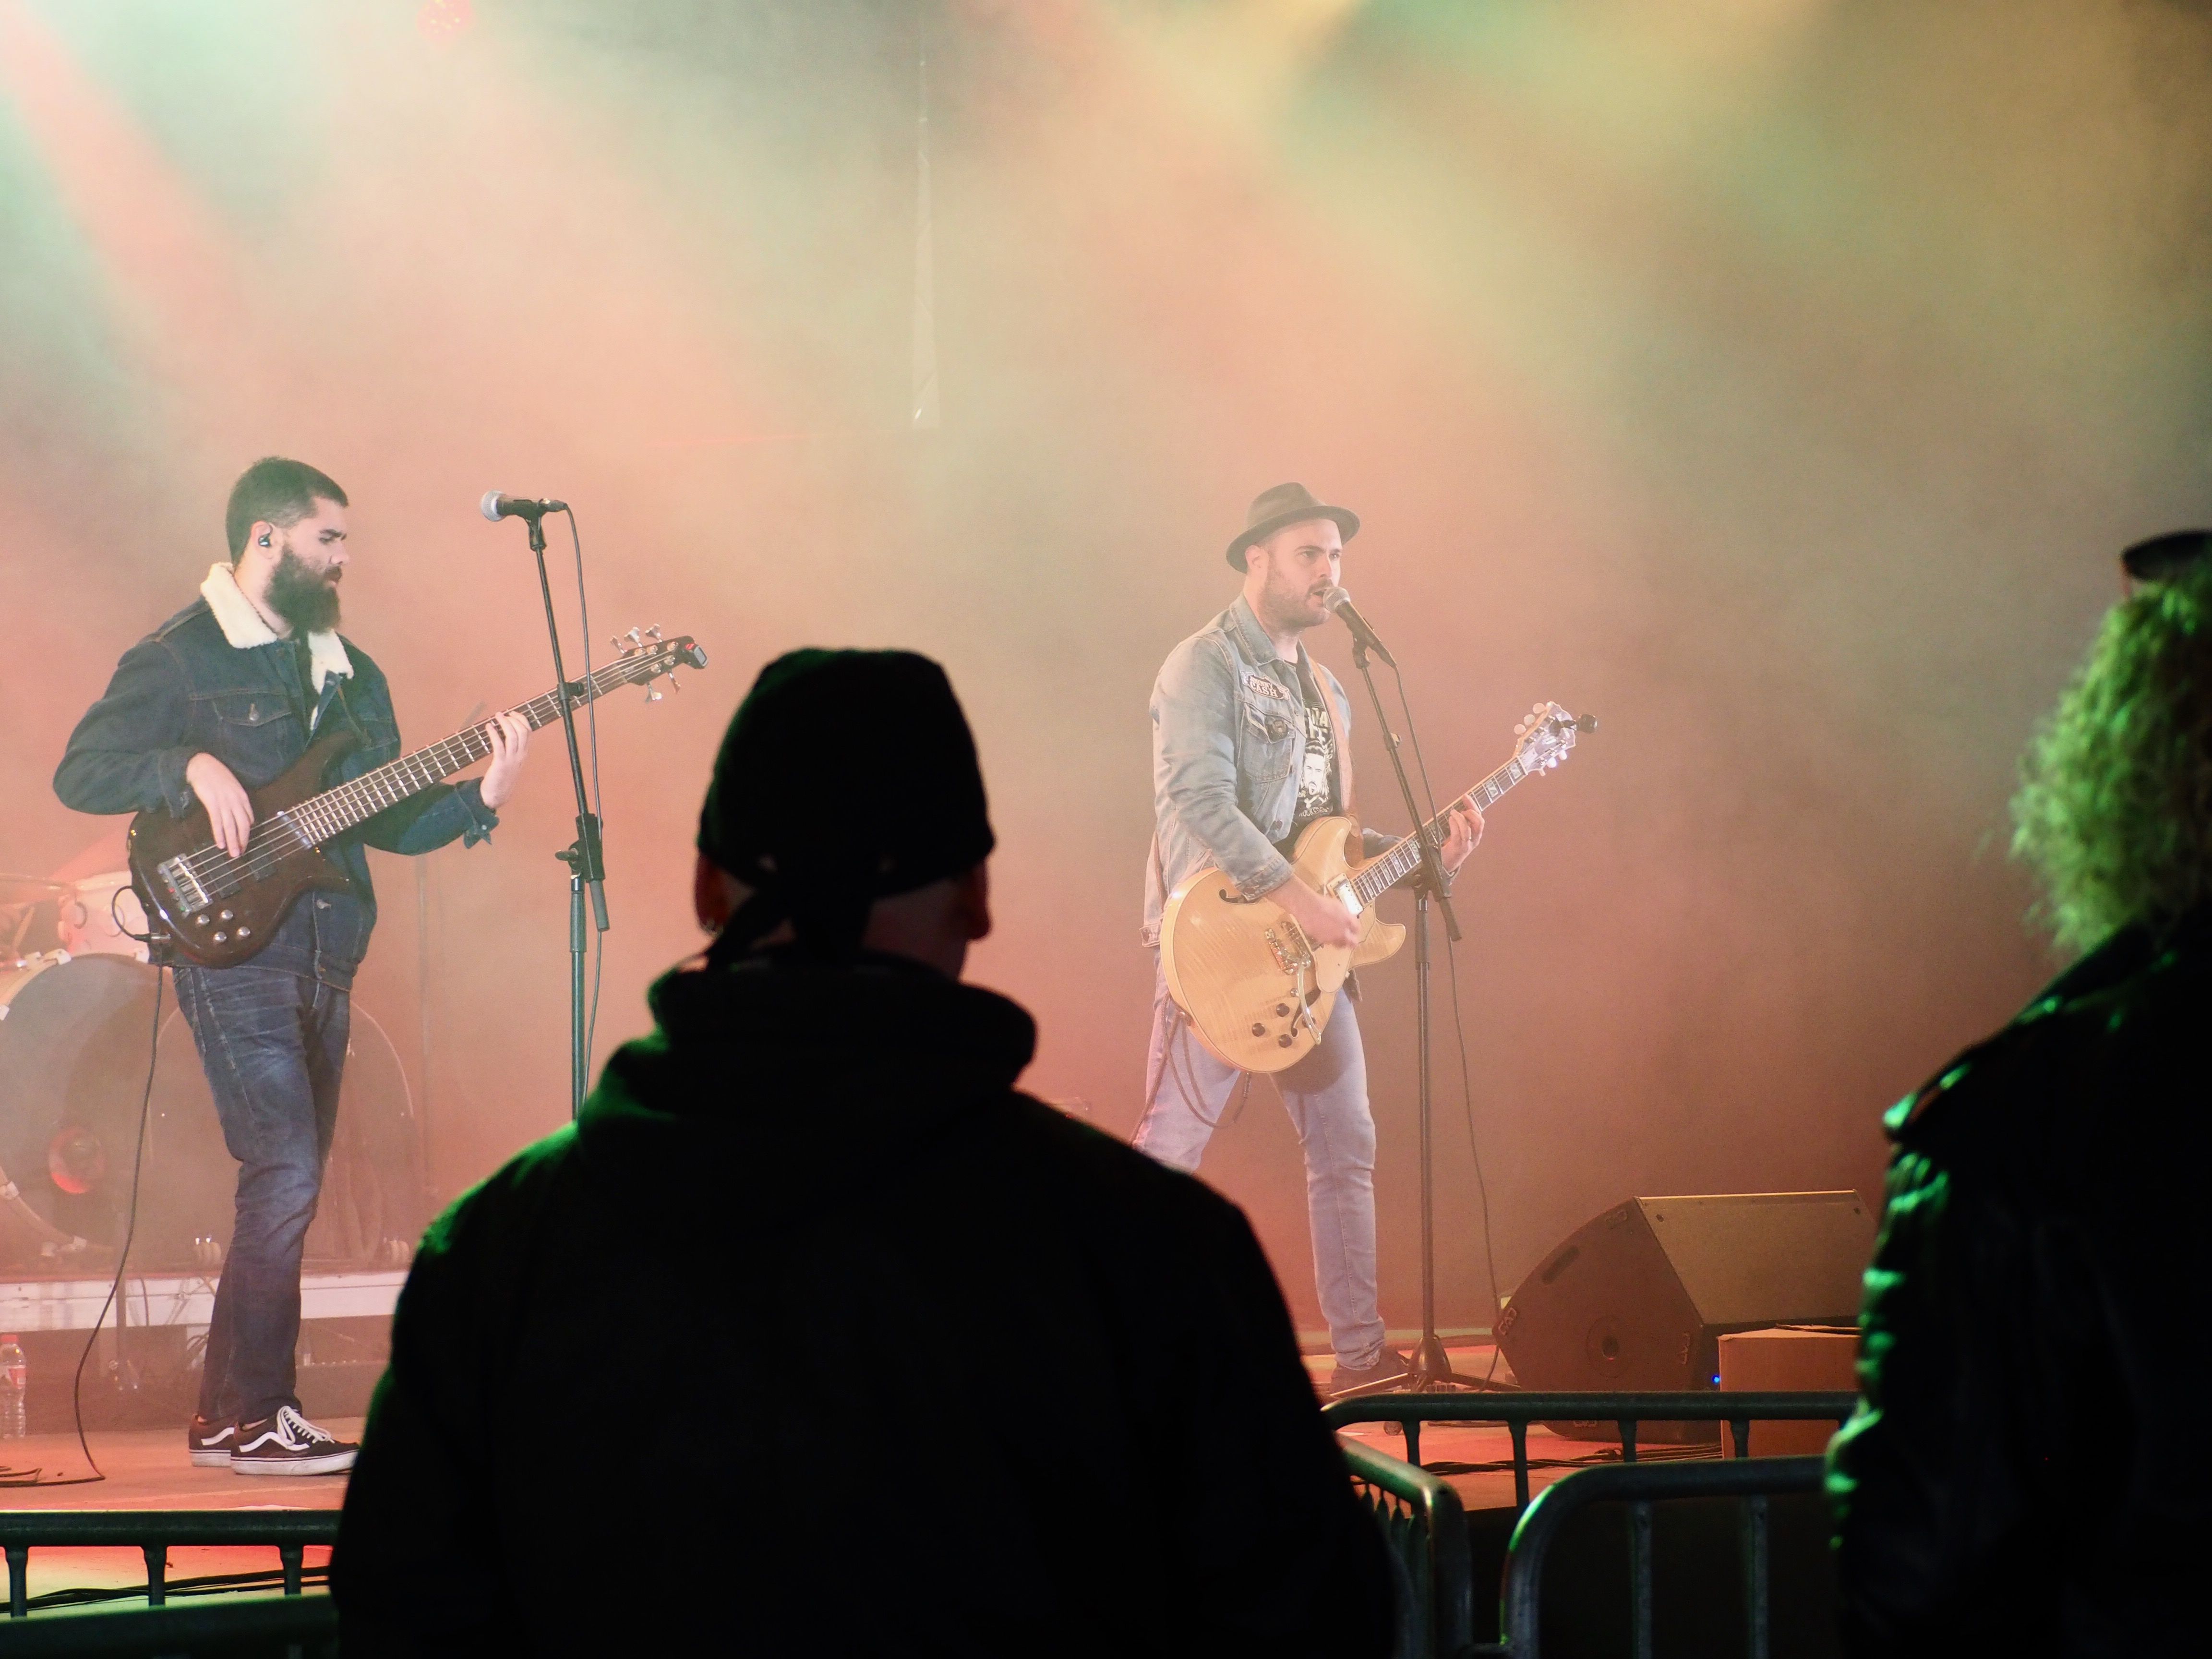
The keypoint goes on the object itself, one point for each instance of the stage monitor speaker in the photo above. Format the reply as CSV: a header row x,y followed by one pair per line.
x,y
1638,1297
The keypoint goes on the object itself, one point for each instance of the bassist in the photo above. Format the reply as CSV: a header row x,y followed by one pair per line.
x,y
1251,744
219,699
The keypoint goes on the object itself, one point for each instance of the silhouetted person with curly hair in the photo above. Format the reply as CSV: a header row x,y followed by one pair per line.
x,y
2027,1471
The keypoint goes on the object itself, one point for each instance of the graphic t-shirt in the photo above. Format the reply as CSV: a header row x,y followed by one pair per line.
x,y
1317,781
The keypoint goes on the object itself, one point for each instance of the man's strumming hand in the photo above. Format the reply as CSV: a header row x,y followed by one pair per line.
x,y
1322,919
230,814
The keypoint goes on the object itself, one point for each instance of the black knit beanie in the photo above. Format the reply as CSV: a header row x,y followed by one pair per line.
x,y
845,777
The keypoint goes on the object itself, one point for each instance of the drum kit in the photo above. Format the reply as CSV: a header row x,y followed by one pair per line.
x,y
76,1015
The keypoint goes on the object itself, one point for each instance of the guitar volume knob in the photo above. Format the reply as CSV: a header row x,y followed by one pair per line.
x,y
1282,1010
1282,1042
1258,1030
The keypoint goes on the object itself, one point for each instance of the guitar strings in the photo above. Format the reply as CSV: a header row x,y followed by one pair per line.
x,y
262,854
255,862
1435,827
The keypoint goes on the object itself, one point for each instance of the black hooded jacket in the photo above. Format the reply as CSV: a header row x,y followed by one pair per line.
x,y
2028,1471
816,1336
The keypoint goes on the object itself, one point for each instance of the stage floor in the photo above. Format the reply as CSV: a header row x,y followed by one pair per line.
x,y
146,1470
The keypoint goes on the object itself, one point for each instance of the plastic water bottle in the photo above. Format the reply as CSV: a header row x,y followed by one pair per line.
x,y
14,1388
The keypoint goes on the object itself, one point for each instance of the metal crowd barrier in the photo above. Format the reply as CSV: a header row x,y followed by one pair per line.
x,y
1754,1479
1518,1409
155,1531
1426,1529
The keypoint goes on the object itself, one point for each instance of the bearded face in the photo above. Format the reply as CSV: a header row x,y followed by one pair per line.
x,y
303,596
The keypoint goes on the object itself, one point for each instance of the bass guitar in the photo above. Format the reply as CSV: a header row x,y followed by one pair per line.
x,y
217,911
1257,992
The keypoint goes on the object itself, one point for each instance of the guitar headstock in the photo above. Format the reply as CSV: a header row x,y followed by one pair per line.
x,y
645,656
1542,740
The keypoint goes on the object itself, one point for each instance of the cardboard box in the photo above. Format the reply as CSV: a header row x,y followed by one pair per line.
x,y
1785,1357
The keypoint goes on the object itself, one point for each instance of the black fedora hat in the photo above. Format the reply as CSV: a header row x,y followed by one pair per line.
x,y
1286,504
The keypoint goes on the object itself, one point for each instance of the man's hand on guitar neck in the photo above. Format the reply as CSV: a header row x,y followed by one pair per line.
x,y
1324,920
1463,836
230,814
509,735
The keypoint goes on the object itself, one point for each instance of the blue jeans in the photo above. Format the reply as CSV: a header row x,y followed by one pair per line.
x,y
1186,1091
273,1044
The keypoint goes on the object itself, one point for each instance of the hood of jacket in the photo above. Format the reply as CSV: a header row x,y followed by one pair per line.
x,y
771,1085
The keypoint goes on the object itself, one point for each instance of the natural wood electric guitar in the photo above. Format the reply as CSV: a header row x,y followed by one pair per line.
x,y
1257,993
220,910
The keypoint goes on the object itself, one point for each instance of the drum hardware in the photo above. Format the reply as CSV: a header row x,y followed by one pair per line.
x,y
103,916
72,1075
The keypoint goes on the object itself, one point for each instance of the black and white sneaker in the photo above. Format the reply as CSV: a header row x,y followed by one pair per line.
x,y
288,1444
208,1444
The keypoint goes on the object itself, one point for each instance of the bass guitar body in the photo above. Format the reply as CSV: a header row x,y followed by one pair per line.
x,y
1258,995
218,910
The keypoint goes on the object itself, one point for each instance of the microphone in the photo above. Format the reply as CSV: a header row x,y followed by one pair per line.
x,y
495,507
1341,602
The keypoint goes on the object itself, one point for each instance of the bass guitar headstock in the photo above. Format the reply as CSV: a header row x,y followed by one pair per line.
x,y
645,656
1543,740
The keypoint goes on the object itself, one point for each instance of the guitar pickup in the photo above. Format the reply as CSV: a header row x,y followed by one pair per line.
x,y
177,876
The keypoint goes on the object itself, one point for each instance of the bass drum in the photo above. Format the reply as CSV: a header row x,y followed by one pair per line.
x,y
73,1051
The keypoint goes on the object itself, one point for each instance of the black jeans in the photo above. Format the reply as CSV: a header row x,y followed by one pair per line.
x,y
273,1044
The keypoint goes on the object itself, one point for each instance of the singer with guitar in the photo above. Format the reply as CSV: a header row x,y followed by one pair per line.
x,y
221,700
1250,746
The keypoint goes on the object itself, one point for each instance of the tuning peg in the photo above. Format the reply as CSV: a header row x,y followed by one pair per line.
x,y
653,632
673,683
651,695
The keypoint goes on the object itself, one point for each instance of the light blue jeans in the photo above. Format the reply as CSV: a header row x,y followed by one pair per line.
x,y
1186,1091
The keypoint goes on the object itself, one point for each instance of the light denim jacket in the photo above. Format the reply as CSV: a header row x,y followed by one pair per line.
x,y
1228,744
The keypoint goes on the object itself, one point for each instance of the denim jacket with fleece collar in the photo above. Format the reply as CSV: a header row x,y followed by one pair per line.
x,y
216,679
1228,745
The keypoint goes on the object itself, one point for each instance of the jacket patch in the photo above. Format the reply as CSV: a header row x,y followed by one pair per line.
x,y
1273,727
1260,686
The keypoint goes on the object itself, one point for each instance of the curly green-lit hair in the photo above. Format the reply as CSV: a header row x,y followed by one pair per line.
x,y
2114,811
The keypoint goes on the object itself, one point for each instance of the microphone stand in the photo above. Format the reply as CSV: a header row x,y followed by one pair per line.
x,y
584,857
1429,1366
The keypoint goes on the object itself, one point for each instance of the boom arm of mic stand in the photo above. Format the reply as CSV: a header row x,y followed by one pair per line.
x,y
1432,868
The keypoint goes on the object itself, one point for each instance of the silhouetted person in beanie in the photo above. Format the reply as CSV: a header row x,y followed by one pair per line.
x,y
2027,1470
813,1336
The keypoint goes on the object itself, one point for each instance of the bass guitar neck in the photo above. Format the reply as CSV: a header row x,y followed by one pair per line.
x,y
219,911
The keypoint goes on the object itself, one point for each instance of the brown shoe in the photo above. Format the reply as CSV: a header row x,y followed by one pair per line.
x,y
1391,1367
